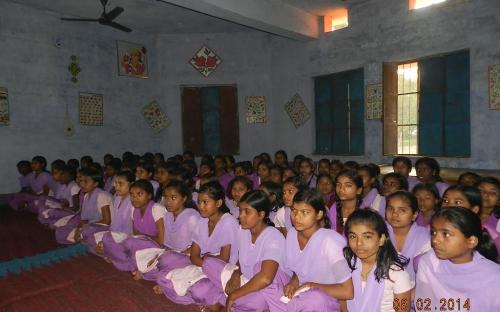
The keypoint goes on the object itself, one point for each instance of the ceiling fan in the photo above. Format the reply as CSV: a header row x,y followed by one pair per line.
x,y
106,18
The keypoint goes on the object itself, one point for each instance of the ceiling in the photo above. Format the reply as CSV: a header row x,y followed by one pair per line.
x,y
159,17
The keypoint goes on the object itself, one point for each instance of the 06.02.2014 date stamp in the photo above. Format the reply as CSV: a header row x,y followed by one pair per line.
x,y
444,304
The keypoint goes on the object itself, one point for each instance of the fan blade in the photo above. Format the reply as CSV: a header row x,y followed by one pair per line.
x,y
79,19
111,15
118,26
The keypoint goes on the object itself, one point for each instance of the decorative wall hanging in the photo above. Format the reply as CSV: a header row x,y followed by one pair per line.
x,y
374,100
256,109
155,117
205,61
91,109
494,86
132,59
69,130
74,69
297,111
4,107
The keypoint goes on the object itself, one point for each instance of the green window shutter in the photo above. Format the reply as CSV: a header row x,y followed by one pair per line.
x,y
324,113
357,108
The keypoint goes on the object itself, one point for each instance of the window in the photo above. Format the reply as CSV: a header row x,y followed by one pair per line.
x,y
338,19
418,4
426,106
210,122
339,109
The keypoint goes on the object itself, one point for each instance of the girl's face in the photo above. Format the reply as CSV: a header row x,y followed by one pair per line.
x,y
398,213
401,168
426,200
174,201
57,175
364,241
256,162
367,179
238,190
455,198
122,186
424,172
208,206
109,171
449,243
139,197
279,159
289,191
287,173
204,169
219,163
239,171
275,176
468,180
304,217
161,175
346,189
324,167
263,171
87,184
36,166
490,195
325,185
140,173
249,216
390,186
305,169
335,169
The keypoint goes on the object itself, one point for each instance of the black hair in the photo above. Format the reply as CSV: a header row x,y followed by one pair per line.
x,y
275,189
70,171
292,170
115,163
58,164
244,180
183,189
281,152
230,158
86,159
248,166
188,153
191,166
429,187
309,161
148,156
127,155
41,160
431,163
496,183
402,181
387,256
209,164
358,181
474,176
314,199
408,197
216,192
129,176
471,193
94,174
277,168
147,165
207,158
265,163
351,164
107,158
372,172
266,157
97,166
405,160
259,201
469,224
160,156
24,164
144,185
296,181
221,157
73,162
241,165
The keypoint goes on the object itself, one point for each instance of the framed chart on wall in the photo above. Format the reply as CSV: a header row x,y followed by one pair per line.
x,y
4,107
91,109
132,59
494,86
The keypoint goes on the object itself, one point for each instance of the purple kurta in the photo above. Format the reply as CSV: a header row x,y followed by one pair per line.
x,y
417,242
412,182
36,182
311,182
329,268
225,179
475,282
375,201
233,207
121,215
420,221
369,298
492,225
48,208
109,183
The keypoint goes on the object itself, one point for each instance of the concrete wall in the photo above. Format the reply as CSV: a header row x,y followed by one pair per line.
x,y
385,31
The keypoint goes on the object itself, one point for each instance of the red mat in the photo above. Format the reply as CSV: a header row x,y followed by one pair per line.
x,y
87,283
22,235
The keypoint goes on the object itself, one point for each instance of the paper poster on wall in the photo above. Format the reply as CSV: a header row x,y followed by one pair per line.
x,y
205,61
132,59
297,111
155,117
256,109
4,107
374,100
494,86
91,109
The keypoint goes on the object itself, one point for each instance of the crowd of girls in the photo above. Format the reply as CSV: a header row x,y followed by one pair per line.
x,y
268,235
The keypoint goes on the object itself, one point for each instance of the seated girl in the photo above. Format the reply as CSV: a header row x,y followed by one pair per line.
x,y
111,169
148,229
291,186
460,271
214,237
326,186
393,182
428,202
258,277
274,193
321,275
489,187
236,189
145,171
408,238
306,170
371,196
95,208
428,172
379,279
